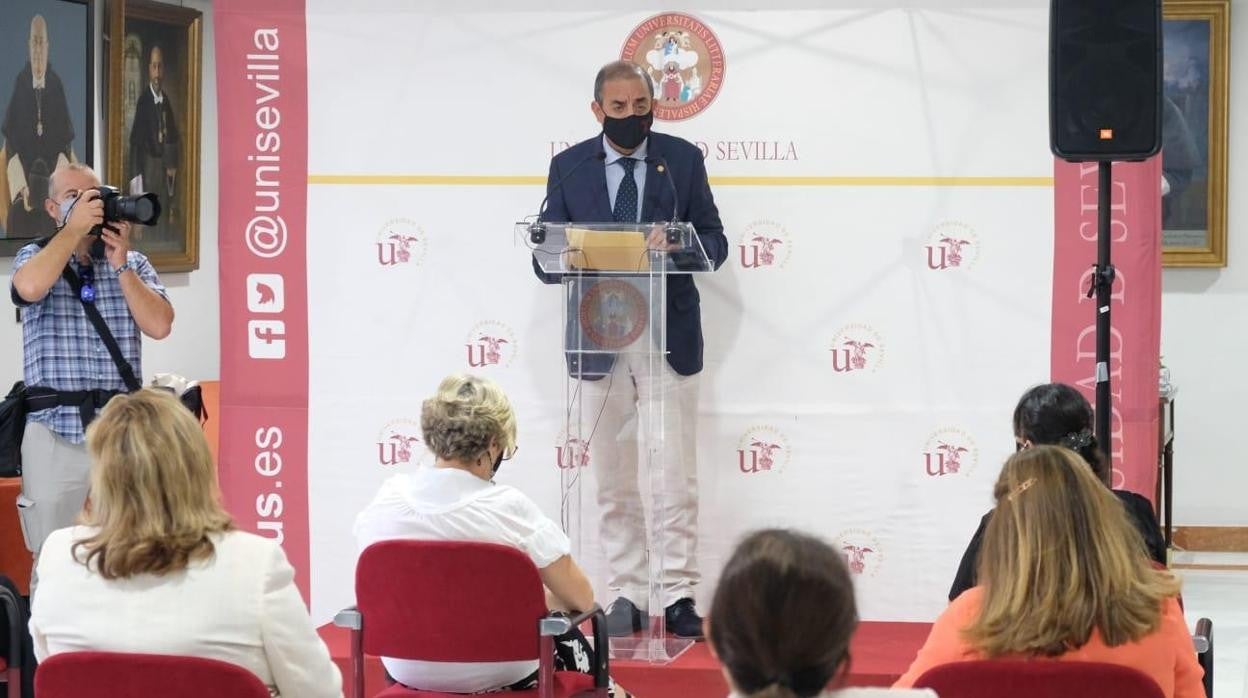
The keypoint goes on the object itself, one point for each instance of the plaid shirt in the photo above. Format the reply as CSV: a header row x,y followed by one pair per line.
x,y
61,349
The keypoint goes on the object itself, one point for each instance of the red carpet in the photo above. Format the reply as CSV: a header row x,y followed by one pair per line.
x,y
880,653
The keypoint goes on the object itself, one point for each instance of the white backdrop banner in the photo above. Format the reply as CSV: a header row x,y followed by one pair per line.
x,y
885,184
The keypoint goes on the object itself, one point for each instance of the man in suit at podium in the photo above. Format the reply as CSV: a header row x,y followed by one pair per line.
x,y
622,175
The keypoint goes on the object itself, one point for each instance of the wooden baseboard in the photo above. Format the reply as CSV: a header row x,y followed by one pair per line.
x,y
1214,539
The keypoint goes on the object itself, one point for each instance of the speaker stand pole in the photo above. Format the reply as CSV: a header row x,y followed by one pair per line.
x,y
1102,288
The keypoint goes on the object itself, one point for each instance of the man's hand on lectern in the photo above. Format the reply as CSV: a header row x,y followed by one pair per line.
x,y
657,240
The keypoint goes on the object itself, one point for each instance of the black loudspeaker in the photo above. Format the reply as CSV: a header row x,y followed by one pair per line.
x,y
1105,79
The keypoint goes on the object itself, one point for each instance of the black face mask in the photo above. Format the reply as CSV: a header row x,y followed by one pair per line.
x,y
629,132
498,463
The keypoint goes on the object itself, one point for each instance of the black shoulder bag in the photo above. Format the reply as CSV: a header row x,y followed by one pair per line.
x,y
12,428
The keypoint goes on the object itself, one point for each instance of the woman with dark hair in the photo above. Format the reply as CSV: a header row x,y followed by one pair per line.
x,y
782,617
1057,414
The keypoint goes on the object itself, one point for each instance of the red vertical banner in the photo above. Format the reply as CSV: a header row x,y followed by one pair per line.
x,y
1135,308
262,98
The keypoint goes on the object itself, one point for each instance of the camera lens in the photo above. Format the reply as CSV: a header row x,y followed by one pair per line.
x,y
145,210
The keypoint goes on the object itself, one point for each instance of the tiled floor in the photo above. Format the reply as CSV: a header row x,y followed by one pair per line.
x,y
1217,588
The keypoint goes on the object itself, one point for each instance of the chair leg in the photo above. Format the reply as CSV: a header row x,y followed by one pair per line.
x,y
602,652
1204,631
357,663
546,667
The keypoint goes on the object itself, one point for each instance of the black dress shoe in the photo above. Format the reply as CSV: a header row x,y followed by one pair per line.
x,y
623,618
683,620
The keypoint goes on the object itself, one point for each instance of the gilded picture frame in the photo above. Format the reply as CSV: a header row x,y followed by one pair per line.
x,y
47,109
1196,41
153,83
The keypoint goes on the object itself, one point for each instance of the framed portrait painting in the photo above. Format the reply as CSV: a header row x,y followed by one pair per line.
x,y
154,66
46,87
1196,38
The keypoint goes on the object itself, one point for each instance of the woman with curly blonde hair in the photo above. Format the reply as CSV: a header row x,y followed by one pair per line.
x,y
470,428
158,567
1063,576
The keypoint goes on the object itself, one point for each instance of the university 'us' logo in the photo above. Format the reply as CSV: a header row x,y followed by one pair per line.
x,y
401,242
571,452
763,449
398,443
685,62
857,348
490,344
861,550
949,451
952,245
764,245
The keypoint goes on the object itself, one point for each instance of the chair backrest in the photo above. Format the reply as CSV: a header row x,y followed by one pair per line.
x,y
1040,678
444,601
118,675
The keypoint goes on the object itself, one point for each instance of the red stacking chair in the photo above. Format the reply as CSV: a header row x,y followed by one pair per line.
x,y
11,666
993,678
441,601
117,675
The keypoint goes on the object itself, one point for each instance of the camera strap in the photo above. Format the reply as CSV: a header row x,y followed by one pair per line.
x,y
101,327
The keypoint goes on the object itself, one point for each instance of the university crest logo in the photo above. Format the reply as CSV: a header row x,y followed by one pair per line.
x,y
685,62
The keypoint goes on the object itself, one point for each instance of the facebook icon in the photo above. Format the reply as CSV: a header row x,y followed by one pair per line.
x,y
266,339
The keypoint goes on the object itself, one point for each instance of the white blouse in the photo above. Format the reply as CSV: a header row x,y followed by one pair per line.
x,y
239,606
449,504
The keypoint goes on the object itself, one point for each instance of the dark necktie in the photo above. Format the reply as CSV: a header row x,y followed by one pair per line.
x,y
626,198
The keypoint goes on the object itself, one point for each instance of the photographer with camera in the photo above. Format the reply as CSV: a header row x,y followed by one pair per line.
x,y
80,284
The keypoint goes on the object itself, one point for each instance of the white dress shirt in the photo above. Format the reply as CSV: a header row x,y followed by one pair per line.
x,y
454,505
239,606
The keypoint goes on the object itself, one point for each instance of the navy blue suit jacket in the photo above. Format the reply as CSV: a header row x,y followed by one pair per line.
x,y
583,197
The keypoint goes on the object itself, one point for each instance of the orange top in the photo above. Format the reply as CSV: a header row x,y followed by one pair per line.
x,y
1167,656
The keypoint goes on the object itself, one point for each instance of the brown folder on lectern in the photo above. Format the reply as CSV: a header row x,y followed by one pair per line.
x,y
607,250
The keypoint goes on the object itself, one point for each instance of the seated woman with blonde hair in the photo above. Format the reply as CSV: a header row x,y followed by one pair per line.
x,y
470,427
782,618
157,567
1063,576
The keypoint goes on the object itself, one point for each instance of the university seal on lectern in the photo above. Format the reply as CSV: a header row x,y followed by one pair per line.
x,y
613,314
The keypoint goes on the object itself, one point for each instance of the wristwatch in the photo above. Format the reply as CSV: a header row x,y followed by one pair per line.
x,y
122,269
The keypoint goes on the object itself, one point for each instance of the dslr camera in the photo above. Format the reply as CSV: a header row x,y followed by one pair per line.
x,y
143,209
